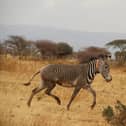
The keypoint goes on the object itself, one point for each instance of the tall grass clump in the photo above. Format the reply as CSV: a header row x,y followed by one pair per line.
x,y
14,64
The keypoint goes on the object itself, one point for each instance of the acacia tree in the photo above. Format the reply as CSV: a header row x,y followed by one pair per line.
x,y
121,46
19,46
117,44
47,48
31,50
16,45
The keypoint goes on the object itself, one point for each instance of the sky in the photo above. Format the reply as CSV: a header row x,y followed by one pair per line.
x,y
81,15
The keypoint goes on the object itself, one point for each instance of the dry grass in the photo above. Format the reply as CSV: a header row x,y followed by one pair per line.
x,y
44,111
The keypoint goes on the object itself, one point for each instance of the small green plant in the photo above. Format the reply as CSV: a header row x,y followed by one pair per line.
x,y
108,113
117,117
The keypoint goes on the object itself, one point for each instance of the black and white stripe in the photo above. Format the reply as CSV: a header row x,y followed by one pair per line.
x,y
91,71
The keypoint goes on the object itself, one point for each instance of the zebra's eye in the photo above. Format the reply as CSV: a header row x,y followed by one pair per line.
x,y
106,67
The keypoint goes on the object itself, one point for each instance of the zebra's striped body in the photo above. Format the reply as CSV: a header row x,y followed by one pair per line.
x,y
77,76
63,74
67,75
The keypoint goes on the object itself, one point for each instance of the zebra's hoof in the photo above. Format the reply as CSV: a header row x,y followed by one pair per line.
x,y
68,107
58,102
92,107
28,104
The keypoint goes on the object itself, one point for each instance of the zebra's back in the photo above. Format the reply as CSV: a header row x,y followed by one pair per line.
x,y
62,72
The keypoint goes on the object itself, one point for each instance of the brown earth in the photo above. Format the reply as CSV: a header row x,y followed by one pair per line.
x,y
44,111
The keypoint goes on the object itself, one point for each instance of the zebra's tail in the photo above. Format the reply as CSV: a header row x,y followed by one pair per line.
x,y
29,82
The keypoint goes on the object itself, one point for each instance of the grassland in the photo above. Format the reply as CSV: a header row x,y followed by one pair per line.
x,y
44,111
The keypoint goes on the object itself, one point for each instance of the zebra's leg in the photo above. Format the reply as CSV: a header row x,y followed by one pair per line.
x,y
48,92
35,91
75,92
94,96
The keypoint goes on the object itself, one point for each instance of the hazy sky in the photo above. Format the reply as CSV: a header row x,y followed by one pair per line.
x,y
82,15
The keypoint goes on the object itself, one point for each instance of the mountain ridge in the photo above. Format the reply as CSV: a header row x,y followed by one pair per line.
x,y
77,39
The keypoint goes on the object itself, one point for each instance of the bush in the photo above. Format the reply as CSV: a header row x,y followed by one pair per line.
x,y
50,49
47,48
108,113
64,49
85,54
117,117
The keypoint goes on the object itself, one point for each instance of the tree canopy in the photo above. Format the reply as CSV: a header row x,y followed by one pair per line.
x,y
64,49
87,53
118,44
16,45
47,48
19,46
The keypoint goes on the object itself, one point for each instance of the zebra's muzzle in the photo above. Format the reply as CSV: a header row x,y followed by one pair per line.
x,y
108,78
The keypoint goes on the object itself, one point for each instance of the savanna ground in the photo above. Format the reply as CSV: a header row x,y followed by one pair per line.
x,y
44,111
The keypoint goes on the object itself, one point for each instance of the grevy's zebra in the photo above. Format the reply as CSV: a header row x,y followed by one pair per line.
x,y
77,76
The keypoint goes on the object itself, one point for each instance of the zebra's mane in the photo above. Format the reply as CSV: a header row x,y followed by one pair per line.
x,y
91,58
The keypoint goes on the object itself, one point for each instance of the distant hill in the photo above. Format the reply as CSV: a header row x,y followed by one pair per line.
x,y
75,38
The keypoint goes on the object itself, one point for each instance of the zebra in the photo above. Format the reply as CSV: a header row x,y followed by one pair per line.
x,y
78,76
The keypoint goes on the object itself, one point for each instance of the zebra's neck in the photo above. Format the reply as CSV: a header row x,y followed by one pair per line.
x,y
91,72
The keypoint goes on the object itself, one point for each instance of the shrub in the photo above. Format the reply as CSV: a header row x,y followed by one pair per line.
x,y
47,48
85,54
117,117
108,113
64,49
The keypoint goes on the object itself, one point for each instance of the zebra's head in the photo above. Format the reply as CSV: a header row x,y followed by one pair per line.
x,y
103,68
